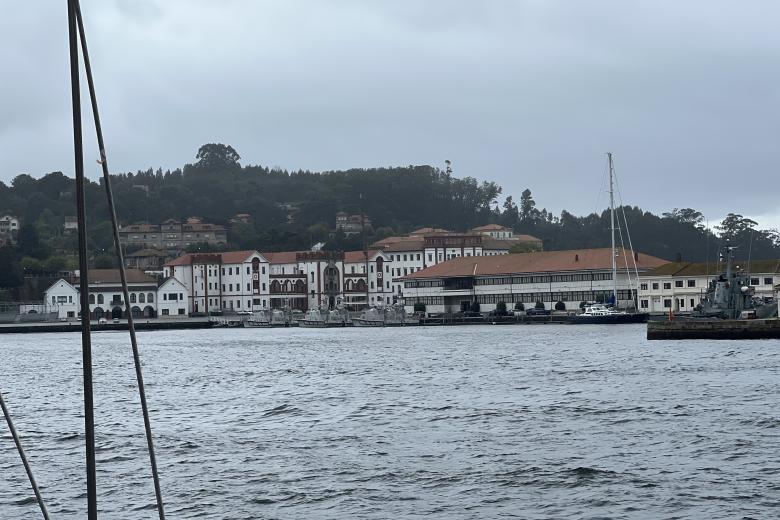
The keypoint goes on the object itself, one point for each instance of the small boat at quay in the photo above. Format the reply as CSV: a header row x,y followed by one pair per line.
x,y
600,313
386,317
322,319
258,319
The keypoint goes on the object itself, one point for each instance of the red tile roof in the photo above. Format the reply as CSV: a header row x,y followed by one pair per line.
x,y
539,262
357,256
282,257
229,257
112,276
492,227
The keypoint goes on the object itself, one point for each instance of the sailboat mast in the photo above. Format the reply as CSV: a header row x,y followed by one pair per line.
x,y
612,228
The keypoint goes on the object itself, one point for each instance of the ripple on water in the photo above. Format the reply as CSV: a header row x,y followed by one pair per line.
x,y
473,422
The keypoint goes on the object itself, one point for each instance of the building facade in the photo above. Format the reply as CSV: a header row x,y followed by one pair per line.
x,y
217,282
680,286
351,224
548,277
328,279
172,235
105,295
427,247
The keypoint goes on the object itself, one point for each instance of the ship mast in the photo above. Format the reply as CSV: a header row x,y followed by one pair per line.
x,y
612,228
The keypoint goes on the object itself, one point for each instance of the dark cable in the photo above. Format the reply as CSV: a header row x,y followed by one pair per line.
x,y
86,340
122,274
27,467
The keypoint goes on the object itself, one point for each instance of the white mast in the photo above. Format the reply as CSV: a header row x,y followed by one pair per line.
x,y
612,228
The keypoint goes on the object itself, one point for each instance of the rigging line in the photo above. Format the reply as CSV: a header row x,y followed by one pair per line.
x,y
122,273
86,338
22,456
628,233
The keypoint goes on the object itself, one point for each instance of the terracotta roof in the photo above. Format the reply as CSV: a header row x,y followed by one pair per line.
x,y
539,262
229,257
404,244
112,276
428,230
526,238
140,228
146,252
282,257
497,243
491,227
357,256
703,269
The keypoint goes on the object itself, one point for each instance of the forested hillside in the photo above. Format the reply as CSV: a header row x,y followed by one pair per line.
x,y
292,210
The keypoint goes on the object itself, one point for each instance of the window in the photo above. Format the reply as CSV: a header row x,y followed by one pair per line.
x,y
262,270
643,286
643,304
691,283
247,269
132,297
264,286
418,256
247,288
223,271
165,312
404,258
141,298
238,304
768,280
655,286
667,285
667,304
53,300
678,283
430,257
181,312
70,299
92,299
692,303
312,279
100,298
754,281
150,298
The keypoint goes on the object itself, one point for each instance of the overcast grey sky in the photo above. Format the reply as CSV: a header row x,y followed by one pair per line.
x,y
529,93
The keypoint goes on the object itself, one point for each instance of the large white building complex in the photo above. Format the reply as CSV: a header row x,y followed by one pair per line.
x,y
549,277
680,286
427,247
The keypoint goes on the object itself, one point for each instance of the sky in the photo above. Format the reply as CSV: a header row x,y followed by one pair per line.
x,y
527,93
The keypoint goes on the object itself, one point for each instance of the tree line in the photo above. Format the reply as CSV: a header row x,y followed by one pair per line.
x,y
292,210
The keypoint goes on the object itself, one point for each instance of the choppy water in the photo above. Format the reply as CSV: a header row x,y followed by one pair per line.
x,y
452,423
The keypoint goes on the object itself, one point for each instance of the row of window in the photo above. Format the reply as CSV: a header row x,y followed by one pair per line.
x,y
117,299
427,300
555,296
645,304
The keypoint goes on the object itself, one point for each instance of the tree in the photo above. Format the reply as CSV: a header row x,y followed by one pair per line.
x,y
560,306
519,306
217,156
539,305
735,225
501,307
686,216
10,272
528,211
29,244
104,262
475,306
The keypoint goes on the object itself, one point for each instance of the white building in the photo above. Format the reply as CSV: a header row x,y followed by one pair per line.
x,y
549,277
326,279
105,295
232,281
427,247
680,286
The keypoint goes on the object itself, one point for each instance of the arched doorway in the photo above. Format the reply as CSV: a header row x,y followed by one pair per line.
x,y
136,311
116,312
148,312
99,313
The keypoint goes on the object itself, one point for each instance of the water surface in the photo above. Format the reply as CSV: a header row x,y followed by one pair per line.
x,y
542,421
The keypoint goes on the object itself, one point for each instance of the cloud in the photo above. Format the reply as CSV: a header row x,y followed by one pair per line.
x,y
527,93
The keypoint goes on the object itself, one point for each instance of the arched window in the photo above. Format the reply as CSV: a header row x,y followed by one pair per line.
x,y
141,298
287,286
275,286
100,299
299,287
92,299
132,297
150,298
